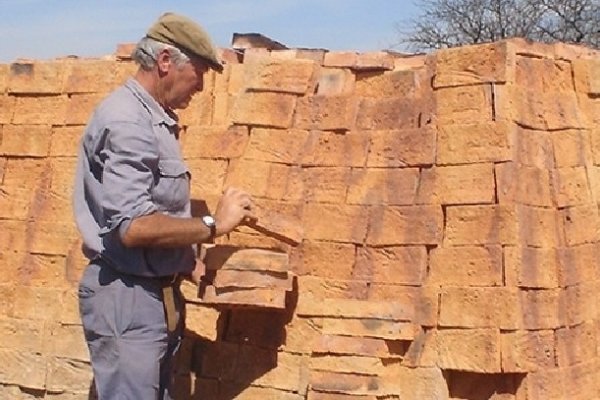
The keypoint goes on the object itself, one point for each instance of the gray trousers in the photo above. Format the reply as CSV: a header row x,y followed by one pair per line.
x,y
124,324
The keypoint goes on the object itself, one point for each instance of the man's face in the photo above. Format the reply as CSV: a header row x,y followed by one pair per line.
x,y
187,80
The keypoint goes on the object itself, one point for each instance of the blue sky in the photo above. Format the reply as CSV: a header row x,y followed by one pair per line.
x,y
43,29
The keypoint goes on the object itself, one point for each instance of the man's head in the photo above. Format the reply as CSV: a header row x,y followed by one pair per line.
x,y
174,56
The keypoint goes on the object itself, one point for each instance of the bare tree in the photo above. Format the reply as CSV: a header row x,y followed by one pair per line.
x,y
450,23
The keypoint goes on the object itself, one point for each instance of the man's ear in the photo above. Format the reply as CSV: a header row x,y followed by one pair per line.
x,y
163,61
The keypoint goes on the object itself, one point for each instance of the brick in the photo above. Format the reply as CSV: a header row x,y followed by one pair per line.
x,y
570,186
374,61
277,145
91,76
317,55
346,383
266,368
546,384
316,395
25,140
264,109
15,203
464,104
203,321
346,59
325,185
464,184
67,341
68,375
401,148
544,74
325,259
469,225
473,143
575,345
260,328
310,306
241,259
301,335
339,150
7,299
344,224
475,350
199,111
581,303
26,369
248,175
580,224
394,265
376,84
395,113
477,307
572,148
33,299
349,364
527,351
405,225
262,298
530,267
542,309
53,237
534,148
425,299
207,177
581,381
37,77
2,165
43,271
578,264
22,335
334,82
523,184
251,280
377,186
64,141
415,383
465,266
348,345
288,183
13,235
284,227
257,393
7,108
539,227
369,327
40,110
585,75
286,76
81,107
470,65
327,113
4,70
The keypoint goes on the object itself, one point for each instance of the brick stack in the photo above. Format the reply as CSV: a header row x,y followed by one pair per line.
x,y
448,209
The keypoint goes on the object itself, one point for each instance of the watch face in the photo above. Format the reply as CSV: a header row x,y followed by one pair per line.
x,y
208,220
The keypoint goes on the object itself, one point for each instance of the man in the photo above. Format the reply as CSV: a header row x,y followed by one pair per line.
x,y
132,207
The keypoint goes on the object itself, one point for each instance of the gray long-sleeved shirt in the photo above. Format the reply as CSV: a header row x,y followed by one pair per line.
x,y
130,165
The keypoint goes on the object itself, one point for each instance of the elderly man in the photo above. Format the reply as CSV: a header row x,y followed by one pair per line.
x,y
132,207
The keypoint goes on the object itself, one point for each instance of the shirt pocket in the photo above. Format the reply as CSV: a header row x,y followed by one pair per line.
x,y
172,189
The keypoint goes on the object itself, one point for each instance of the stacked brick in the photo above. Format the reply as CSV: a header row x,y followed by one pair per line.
x,y
447,204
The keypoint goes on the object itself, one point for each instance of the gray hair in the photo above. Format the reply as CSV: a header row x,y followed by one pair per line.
x,y
146,51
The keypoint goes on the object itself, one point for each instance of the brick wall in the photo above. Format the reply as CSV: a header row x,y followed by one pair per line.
x,y
448,204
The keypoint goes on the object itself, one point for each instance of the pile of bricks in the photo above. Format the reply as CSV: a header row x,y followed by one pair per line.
x,y
444,217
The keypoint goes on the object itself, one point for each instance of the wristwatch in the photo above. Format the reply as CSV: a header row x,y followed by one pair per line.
x,y
210,222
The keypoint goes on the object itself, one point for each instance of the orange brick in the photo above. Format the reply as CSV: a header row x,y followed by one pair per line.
x,y
2,164
578,264
23,334
539,227
542,309
26,172
477,307
53,238
347,363
580,224
405,225
7,299
261,298
339,150
530,267
383,186
523,185
334,82
64,141
248,175
388,84
459,144
317,55
585,75
581,380
581,302
475,350
361,346
572,148
13,235
66,374
464,184
424,299
282,226
27,369
207,177
534,148
327,113
287,183
15,202
200,110
214,142
465,266
576,344
277,145
286,76
527,351
310,306
3,77
468,225
464,104
242,259
326,260
40,110
400,148
37,77
370,327
326,184
91,76
232,279
395,113
24,140
544,74
7,107
264,109
394,265
570,186
546,384
374,60
32,300
345,224
340,59
80,108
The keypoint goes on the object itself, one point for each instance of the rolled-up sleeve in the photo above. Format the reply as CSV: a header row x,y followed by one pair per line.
x,y
130,159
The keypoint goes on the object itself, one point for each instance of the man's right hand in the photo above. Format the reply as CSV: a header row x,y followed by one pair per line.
x,y
234,207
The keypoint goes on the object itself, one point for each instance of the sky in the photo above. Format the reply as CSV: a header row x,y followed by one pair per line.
x,y
46,29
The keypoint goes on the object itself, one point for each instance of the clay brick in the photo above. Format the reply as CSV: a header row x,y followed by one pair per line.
x,y
530,267
332,149
15,203
416,383
285,227
7,107
400,148
207,177
91,76
586,76
581,380
251,176
534,148
81,107
315,395
581,302
578,264
464,184
345,224
377,84
348,345
369,327
476,307
32,299
469,225
377,186
472,143
301,335
424,299
576,344
464,104
539,227
523,184
542,309
263,298
570,186
43,271
22,334
405,225
25,140
252,280
347,363
465,266
347,384
393,265
544,75
2,164
327,113
325,259
546,384
13,235
261,328
214,142
241,259
64,141
277,145
26,369
7,299
201,108
288,183
3,78
395,113
374,60
41,110
527,351
581,224
37,77
473,65
53,237
310,306
266,368
25,172
334,82
325,185
475,350
264,109
345,59
68,375
67,341
286,76
316,55
572,148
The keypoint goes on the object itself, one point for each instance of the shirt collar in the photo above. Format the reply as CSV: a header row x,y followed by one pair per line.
x,y
158,114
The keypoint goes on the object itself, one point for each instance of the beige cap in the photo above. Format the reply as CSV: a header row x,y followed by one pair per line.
x,y
185,34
